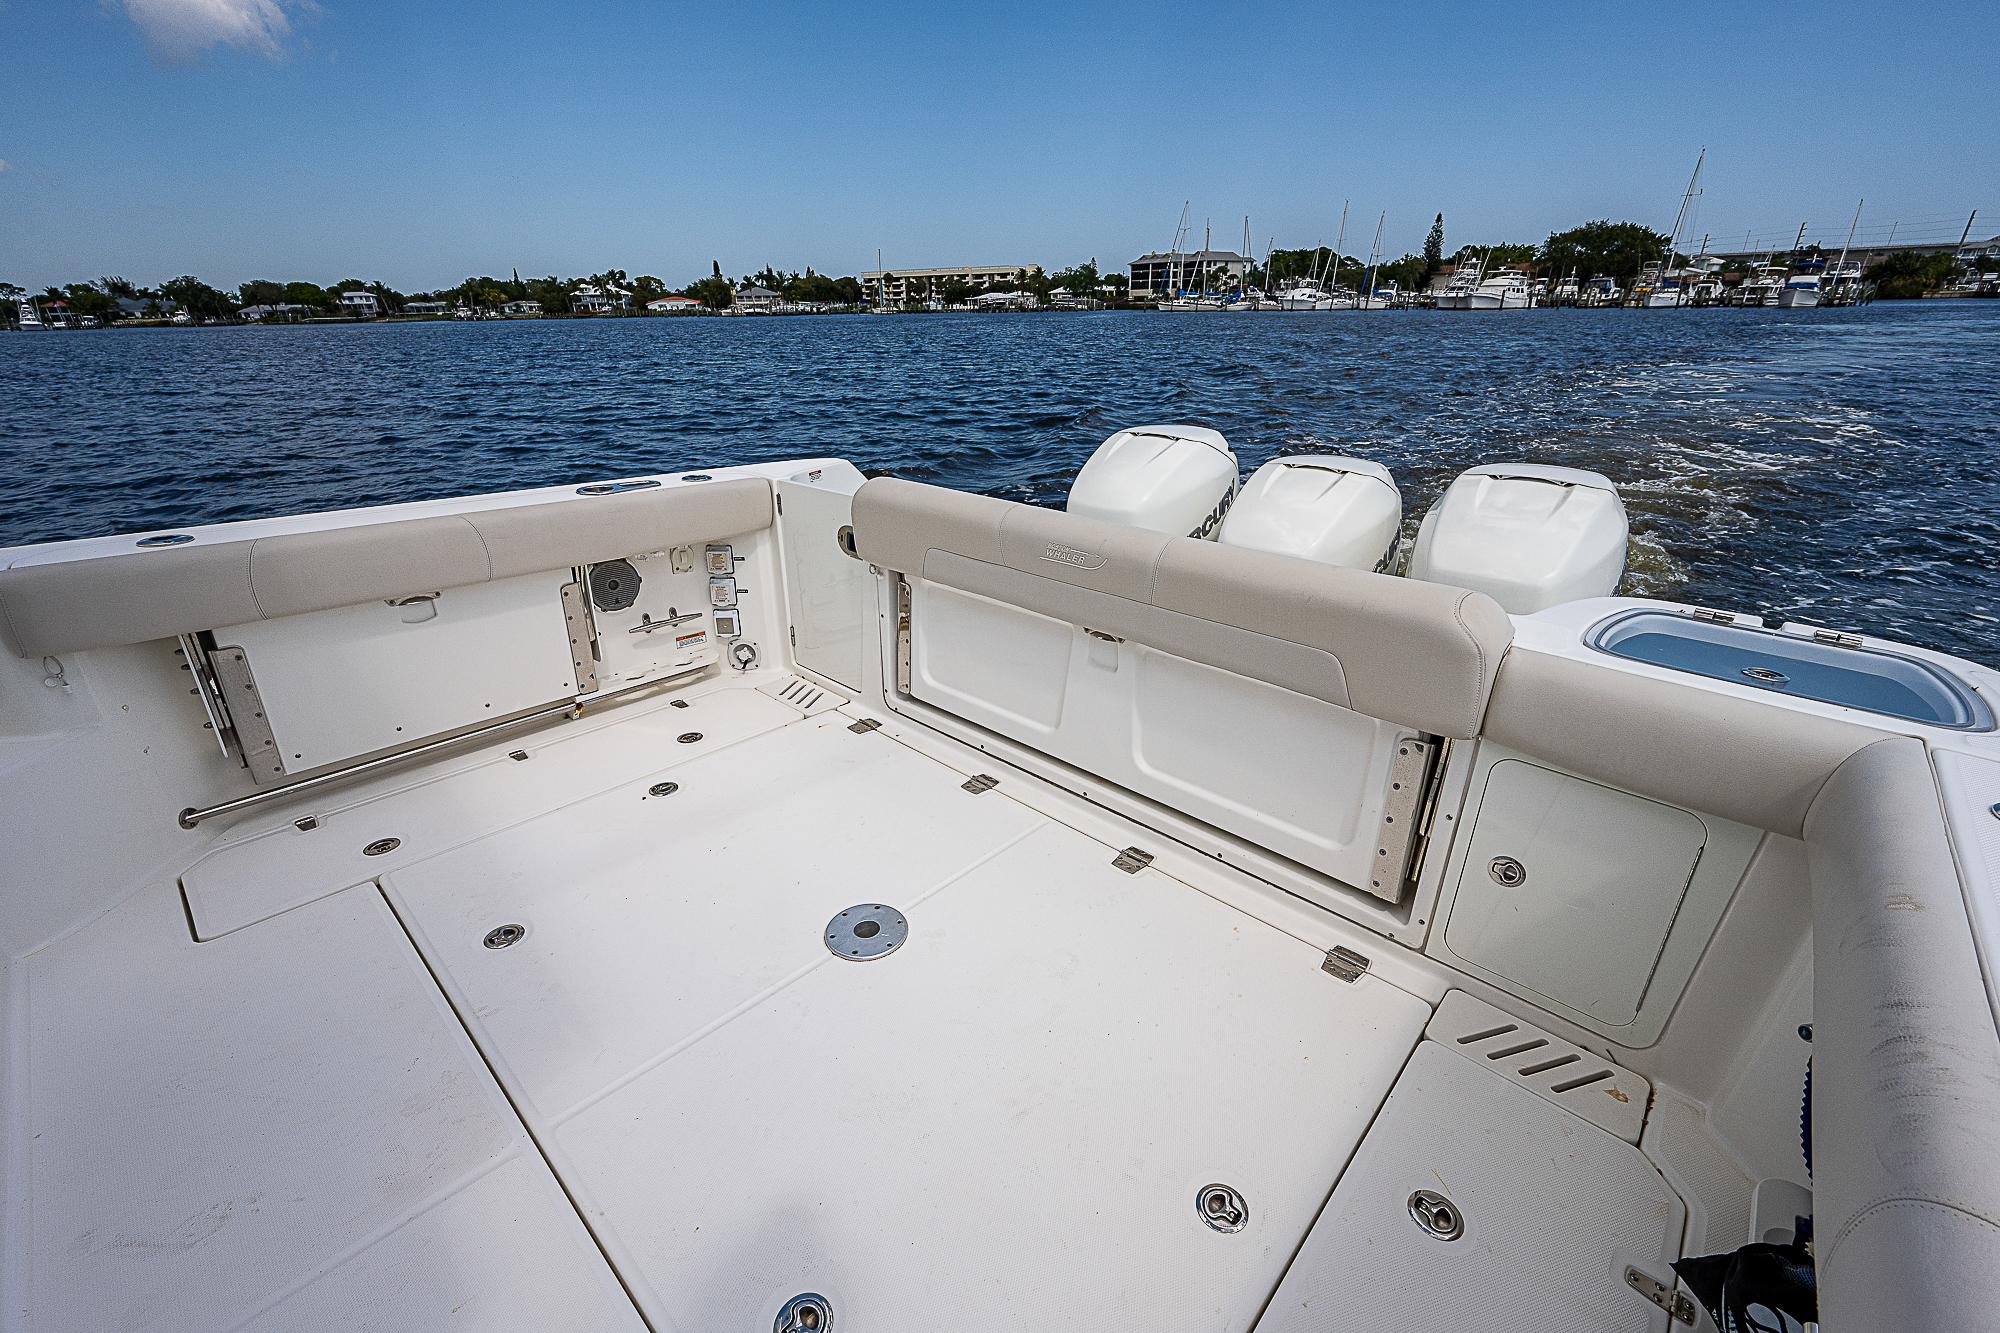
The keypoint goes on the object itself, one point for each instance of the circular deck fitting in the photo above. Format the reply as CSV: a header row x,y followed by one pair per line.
x,y
381,846
501,936
688,737
1438,1216
1764,675
1507,872
866,931
1221,1208
808,1312
663,789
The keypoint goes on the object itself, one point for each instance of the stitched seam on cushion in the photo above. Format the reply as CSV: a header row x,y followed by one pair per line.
x,y
1891,1203
13,634
484,549
250,577
1153,574
1479,684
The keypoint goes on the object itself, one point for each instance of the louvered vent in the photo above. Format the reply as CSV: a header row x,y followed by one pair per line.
x,y
1608,1095
803,695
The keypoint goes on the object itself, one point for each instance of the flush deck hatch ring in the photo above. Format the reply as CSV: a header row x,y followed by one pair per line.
x,y
866,931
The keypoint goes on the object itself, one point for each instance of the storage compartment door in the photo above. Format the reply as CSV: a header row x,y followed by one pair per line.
x,y
1569,888
328,686
825,588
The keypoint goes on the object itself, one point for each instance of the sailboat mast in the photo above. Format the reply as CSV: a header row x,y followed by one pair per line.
x,y
1374,257
1340,241
1673,242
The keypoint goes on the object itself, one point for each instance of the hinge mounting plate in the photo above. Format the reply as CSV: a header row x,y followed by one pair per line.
x,y
1132,860
1675,1303
866,724
1344,964
980,782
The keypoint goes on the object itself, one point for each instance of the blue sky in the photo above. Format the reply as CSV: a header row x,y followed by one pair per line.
x,y
422,142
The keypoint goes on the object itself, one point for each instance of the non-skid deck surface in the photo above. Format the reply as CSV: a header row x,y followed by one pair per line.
x,y
1002,1125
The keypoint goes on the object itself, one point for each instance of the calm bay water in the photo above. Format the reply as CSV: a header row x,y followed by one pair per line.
x,y
1839,465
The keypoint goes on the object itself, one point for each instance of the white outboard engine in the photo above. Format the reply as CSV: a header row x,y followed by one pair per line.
x,y
1172,479
1325,507
1528,536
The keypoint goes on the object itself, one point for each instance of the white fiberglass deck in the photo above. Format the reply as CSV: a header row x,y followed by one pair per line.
x,y
699,1111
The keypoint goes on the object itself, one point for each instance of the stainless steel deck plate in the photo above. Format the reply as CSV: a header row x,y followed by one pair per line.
x,y
866,931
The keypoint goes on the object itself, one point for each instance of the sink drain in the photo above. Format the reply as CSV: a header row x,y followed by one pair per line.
x,y
866,931
806,1313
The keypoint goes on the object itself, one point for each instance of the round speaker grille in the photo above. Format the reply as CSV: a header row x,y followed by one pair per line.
x,y
614,585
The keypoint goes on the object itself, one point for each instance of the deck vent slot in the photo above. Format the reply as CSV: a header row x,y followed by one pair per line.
x,y
1588,1085
797,692
614,585
866,931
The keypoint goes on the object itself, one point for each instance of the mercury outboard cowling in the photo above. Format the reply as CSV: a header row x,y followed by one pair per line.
x,y
1527,535
1324,507
1173,479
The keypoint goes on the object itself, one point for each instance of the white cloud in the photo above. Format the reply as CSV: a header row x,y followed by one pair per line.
x,y
180,30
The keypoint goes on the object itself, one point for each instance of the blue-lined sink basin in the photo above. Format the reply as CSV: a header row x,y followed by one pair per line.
x,y
1865,678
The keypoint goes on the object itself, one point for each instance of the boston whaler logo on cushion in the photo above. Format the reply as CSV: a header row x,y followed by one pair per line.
x,y
1070,555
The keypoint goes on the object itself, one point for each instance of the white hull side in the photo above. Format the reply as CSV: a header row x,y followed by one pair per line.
x,y
1798,298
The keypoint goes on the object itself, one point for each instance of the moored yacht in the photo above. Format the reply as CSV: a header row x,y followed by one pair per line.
x,y
1505,290
1801,285
760,898
1458,290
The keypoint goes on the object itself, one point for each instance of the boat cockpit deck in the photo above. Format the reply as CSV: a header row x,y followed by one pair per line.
x,y
763,900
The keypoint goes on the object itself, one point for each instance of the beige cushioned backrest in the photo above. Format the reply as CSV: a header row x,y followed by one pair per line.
x,y
1756,763
1906,1060
1419,655
137,596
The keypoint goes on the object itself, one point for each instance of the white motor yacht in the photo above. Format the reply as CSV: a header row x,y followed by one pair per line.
x,y
758,898
1801,286
1458,290
1503,291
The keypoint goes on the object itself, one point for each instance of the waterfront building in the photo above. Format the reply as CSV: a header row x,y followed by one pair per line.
x,y
673,305
593,300
755,300
903,284
1158,274
425,307
521,308
363,305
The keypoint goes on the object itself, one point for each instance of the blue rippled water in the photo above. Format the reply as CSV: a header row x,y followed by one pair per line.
x,y
1839,465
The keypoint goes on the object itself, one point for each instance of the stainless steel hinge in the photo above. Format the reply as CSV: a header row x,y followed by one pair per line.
x,y
1344,964
980,782
1675,1303
1132,860
1719,617
1836,638
902,637
865,725
794,632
